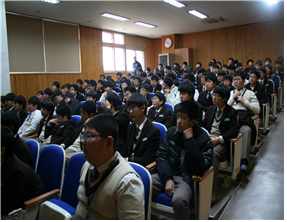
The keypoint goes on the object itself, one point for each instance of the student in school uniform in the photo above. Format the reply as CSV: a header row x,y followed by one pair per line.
x,y
249,64
20,107
227,81
145,93
155,86
264,81
80,84
74,89
159,112
279,68
190,77
170,91
40,95
92,86
119,77
9,98
220,77
231,69
124,83
258,64
144,78
92,96
109,87
74,104
129,91
47,94
137,83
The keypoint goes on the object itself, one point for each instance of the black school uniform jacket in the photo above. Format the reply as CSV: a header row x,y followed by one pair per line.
x,y
42,124
157,88
268,87
203,101
149,102
146,82
74,135
80,97
162,117
228,124
146,145
259,91
60,132
22,151
23,115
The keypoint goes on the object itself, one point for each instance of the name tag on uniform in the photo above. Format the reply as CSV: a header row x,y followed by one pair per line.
x,y
62,126
144,139
161,115
226,119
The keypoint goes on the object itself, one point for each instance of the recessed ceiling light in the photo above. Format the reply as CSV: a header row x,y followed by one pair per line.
x,y
112,16
145,24
272,1
197,14
51,1
175,3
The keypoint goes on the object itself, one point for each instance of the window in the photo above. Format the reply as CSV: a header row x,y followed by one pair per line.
x,y
118,55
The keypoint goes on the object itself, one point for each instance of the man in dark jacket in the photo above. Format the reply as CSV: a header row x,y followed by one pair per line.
x,y
74,104
185,150
136,65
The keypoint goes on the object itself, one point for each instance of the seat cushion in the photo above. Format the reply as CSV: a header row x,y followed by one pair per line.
x,y
162,198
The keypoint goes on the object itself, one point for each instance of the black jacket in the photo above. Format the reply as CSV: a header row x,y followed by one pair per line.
x,y
23,114
22,151
75,106
192,156
268,88
162,117
203,101
156,89
74,135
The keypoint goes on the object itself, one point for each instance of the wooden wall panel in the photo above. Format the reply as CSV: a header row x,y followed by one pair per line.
x,y
153,48
174,43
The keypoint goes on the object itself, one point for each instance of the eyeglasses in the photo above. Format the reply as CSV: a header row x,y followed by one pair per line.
x,y
131,108
88,137
236,80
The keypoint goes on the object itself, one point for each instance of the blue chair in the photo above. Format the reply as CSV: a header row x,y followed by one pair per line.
x,y
148,78
151,95
35,150
55,115
85,97
117,85
77,119
169,106
123,103
66,205
162,129
99,103
179,79
51,166
83,102
147,182
119,89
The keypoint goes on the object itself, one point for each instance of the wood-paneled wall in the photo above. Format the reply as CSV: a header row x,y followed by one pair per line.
x,y
153,48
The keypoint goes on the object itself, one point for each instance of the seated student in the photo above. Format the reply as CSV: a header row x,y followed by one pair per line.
x,y
32,121
40,95
55,86
205,97
64,89
272,77
57,97
75,91
109,87
170,92
118,76
160,76
198,75
220,77
201,87
100,86
79,84
21,149
249,64
143,137
227,80
19,182
258,64
68,85
92,86
129,91
74,104
9,98
159,112
190,77
264,81
239,66
246,103
132,79
139,71
62,126
114,103
155,86
220,121
86,85
3,107
124,84
231,69
103,77
144,78
215,69
185,150
145,92
279,69
147,70
92,96
210,65
72,143
47,110
124,198
47,94
129,76
186,90
230,61
137,83
20,107
258,89
171,75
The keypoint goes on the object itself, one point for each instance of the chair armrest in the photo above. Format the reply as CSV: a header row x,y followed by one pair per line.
x,y
203,176
32,136
254,117
280,87
265,104
71,154
236,139
151,166
274,94
42,198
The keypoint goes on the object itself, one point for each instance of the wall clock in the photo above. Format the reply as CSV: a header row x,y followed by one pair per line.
x,y
167,43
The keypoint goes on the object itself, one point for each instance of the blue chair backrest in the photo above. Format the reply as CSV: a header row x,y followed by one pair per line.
x,y
273,86
147,182
55,115
151,94
205,130
99,103
51,167
35,150
148,78
83,102
195,83
169,106
72,180
123,103
119,89
77,119
179,79
85,97
162,129
117,85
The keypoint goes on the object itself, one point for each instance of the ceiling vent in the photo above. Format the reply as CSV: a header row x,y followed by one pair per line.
x,y
213,20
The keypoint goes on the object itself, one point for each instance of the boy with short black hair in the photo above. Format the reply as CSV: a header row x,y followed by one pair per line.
x,y
73,103
92,96
264,81
64,89
155,86
103,77
109,87
86,82
220,77
258,64
230,61
79,84
75,91
47,94
40,95
133,79
139,71
55,86
159,112
137,83
143,137
20,107
231,69
9,98
205,97
215,69
145,92
227,80
279,69
144,78
118,76
170,91
267,61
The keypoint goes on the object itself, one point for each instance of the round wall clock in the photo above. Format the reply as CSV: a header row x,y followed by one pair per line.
x,y
167,42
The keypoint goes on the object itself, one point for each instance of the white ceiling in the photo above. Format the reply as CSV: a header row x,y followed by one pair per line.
x,y
167,18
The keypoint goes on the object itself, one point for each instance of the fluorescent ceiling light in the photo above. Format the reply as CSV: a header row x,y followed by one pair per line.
x,y
272,1
197,14
145,24
175,3
112,16
51,1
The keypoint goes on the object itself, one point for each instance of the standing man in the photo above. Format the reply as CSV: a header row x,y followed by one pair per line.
x,y
136,64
